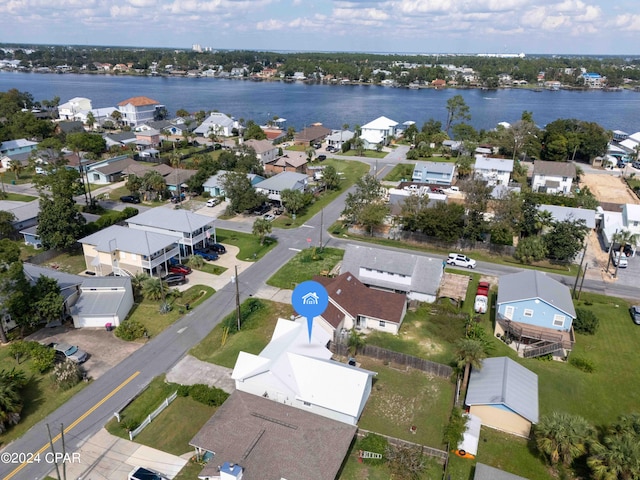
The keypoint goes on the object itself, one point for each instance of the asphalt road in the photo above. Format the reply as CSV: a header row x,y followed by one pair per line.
x,y
84,414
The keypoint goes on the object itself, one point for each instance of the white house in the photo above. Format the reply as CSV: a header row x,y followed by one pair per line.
x,y
265,150
436,173
102,301
339,137
379,131
272,187
69,109
553,177
494,171
138,110
615,222
298,371
217,124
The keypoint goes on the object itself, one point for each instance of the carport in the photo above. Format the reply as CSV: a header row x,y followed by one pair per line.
x,y
454,286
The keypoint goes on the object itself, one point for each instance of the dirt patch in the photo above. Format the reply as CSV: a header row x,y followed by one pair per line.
x,y
608,188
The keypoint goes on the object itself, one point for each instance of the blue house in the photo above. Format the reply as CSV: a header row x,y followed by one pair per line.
x,y
214,186
14,147
437,173
535,313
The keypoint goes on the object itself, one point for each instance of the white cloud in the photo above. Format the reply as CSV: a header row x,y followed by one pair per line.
x,y
270,24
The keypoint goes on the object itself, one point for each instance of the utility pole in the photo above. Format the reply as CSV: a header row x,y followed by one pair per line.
x,y
582,282
53,451
321,227
237,299
584,254
64,464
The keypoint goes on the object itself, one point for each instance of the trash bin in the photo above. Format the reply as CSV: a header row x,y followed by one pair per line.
x,y
108,327
187,306
13,182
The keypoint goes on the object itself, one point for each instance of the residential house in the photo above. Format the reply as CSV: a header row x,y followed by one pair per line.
x,y
101,116
494,171
14,147
553,177
315,133
126,251
110,170
354,305
378,132
26,213
120,139
177,127
255,438
417,276
265,150
190,230
562,214
138,110
434,173
273,133
397,197
296,369
627,220
177,179
339,138
593,80
31,236
21,158
69,109
272,187
102,301
536,312
217,124
214,184
147,137
291,161
485,472
504,395
70,126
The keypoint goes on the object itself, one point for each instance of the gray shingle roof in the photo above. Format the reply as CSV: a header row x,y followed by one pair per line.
x,y
106,282
556,169
128,240
485,472
489,163
532,284
171,220
504,382
282,181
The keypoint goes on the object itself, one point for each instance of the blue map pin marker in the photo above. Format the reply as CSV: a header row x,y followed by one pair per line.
x,y
310,299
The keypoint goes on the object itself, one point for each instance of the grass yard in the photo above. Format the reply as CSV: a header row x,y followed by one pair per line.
x,y
40,396
404,398
254,335
148,313
189,472
350,170
365,153
249,245
26,176
18,197
305,265
402,171
211,268
72,262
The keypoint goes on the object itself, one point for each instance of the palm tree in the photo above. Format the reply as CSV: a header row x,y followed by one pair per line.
x,y
196,261
261,228
356,341
310,152
358,145
618,457
137,282
563,437
154,289
623,237
117,117
470,353
10,403
91,120
16,167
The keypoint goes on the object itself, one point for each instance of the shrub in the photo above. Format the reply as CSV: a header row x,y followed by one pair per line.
x,y
183,390
18,349
43,358
212,396
376,444
586,322
130,330
67,374
454,430
581,363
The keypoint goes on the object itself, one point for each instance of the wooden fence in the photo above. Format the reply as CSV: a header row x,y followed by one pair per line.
x,y
436,453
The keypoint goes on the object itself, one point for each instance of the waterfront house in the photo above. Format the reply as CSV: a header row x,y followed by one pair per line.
x,y
379,131
416,276
494,171
217,124
435,173
553,177
138,110
504,395
69,109
296,369
339,138
315,133
272,187
265,150
536,312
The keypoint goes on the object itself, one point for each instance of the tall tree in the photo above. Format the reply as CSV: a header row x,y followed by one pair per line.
x,y
241,194
293,200
261,228
562,437
470,353
457,109
565,240
330,178
6,223
368,190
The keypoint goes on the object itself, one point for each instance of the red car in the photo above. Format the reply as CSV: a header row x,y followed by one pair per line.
x,y
183,269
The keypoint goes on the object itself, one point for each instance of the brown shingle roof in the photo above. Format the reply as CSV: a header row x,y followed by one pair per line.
x,y
139,102
357,299
116,167
270,440
556,169
291,159
312,133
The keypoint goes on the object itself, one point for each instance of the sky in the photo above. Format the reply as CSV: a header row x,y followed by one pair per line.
x,y
589,27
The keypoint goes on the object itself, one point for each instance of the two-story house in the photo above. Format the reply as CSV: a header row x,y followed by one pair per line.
x,y
613,223
379,131
435,173
535,314
553,177
217,124
265,150
494,171
138,110
69,109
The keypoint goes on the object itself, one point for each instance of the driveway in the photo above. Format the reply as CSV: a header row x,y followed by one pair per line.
x,y
104,348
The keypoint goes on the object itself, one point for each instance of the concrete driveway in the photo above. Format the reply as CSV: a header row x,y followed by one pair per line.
x,y
104,348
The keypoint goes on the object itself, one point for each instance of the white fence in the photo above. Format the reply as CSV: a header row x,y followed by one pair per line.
x,y
152,415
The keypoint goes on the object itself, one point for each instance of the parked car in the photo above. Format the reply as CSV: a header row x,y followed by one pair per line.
x,y
269,217
619,260
71,352
322,158
179,268
178,199
331,149
460,260
141,473
212,202
130,199
636,165
621,164
217,248
206,255
262,209
174,279
317,145
635,314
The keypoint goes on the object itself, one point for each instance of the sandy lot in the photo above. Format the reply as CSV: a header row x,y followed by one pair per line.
x,y
608,188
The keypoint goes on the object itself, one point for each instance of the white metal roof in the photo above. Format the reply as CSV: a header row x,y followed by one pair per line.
x,y
171,220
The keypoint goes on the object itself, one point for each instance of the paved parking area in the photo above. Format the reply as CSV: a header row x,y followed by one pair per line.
x,y
190,371
104,348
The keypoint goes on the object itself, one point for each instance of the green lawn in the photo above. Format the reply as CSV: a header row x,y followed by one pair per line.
x,y
351,172
305,265
190,471
72,262
9,177
17,197
365,153
402,171
40,396
148,313
255,334
211,268
249,245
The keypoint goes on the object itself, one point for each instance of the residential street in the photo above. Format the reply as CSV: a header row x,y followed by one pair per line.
x,y
86,413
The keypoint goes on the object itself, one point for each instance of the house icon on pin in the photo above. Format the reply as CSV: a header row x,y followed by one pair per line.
x,y
310,299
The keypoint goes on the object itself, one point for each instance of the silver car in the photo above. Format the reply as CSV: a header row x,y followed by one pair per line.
x,y
71,352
